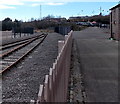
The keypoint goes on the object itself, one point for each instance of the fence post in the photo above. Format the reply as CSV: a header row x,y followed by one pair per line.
x,y
66,37
51,84
56,83
32,102
40,94
60,46
46,87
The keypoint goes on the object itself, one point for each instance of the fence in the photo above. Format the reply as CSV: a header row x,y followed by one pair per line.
x,y
55,86
63,29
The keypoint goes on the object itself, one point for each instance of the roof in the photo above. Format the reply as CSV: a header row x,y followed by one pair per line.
x,y
115,7
94,22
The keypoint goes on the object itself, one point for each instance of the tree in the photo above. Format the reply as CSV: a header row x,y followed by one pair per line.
x,y
32,19
7,20
7,24
17,23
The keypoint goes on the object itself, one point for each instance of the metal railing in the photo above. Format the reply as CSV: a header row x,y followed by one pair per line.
x,y
55,86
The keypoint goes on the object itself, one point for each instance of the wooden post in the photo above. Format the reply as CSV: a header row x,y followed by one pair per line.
x,y
46,88
40,94
32,102
60,46
66,37
50,78
56,83
51,84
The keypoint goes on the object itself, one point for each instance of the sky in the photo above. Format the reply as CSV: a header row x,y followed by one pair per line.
x,y
27,9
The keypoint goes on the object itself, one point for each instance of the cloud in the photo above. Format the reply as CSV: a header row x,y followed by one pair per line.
x,y
6,4
11,2
50,3
36,4
65,1
6,7
34,0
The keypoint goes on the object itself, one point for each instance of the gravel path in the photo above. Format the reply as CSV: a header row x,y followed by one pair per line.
x,y
21,83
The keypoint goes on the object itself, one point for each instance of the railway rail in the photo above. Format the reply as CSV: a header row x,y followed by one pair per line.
x,y
11,54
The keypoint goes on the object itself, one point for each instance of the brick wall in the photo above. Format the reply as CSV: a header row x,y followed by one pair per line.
x,y
115,23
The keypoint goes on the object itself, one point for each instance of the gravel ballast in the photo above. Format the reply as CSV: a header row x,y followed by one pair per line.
x,y
21,83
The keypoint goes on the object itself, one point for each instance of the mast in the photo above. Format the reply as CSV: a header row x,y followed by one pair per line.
x,y
40,12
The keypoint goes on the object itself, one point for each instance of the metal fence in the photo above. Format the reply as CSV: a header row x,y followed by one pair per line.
x,y
55,86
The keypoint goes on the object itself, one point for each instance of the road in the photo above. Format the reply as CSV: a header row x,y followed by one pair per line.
x,y
98,58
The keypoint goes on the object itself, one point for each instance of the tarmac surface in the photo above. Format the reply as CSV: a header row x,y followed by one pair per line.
x,y
98,65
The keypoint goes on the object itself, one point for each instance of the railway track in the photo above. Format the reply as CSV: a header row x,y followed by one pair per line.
x,y
11,54
5,50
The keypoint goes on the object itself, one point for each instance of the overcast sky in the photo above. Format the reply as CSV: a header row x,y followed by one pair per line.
x,y
27,9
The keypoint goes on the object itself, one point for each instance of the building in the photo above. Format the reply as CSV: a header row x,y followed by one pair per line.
x,y
115,22
55,19
78,18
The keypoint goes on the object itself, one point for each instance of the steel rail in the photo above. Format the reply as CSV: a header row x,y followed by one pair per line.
x,y
18,47
11,44
22,57
14,44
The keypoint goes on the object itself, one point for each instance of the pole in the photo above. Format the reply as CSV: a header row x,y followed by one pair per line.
x,y
40,12
100,10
